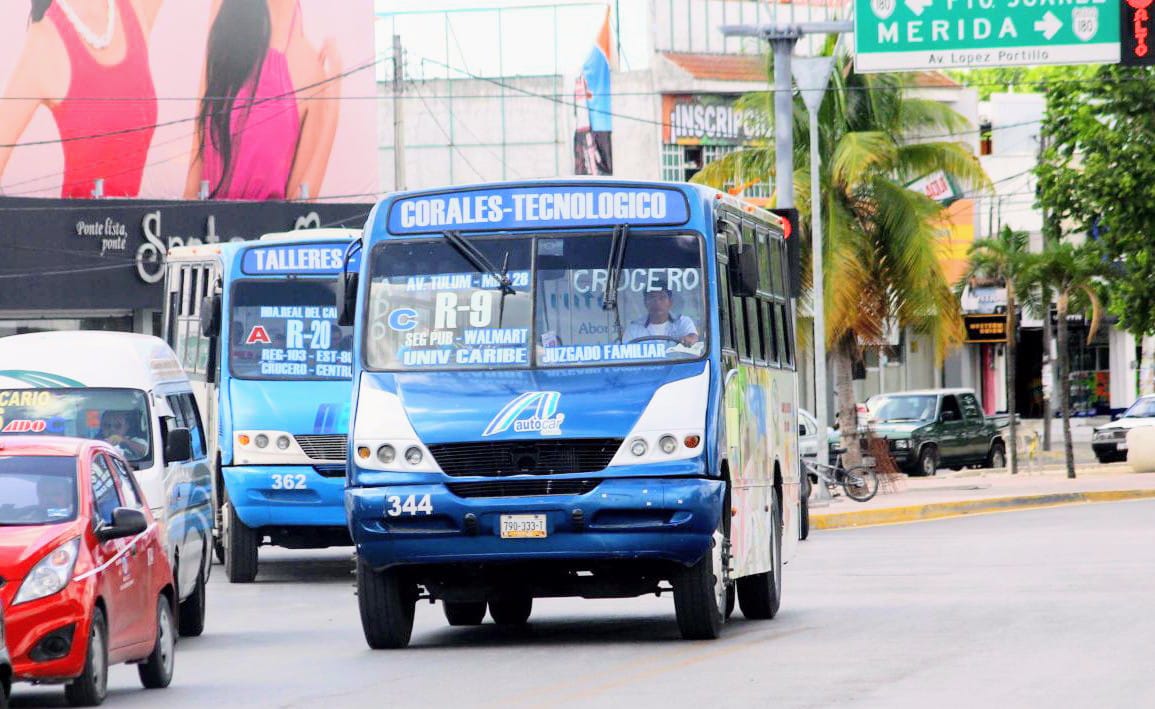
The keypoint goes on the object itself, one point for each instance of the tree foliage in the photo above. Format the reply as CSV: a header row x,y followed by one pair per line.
x,y
1097,175
881,247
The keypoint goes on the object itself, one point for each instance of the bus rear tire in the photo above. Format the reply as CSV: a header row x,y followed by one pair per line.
x,y
387,604
511,610
464,612
804,513
700,594
760,595
240,548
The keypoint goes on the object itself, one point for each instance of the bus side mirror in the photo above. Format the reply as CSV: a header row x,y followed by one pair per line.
x,y
347,298
743,271
211,315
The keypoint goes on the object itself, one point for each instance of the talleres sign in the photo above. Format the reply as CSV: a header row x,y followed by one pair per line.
x,y
912,35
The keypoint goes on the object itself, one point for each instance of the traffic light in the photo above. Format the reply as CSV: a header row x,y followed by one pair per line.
x,y
792,229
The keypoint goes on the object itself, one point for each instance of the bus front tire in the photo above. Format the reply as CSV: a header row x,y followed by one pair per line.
x,y
464,612
700,594
511,610
760,595
387,603
240,548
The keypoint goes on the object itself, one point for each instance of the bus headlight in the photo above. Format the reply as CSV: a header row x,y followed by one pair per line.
x,y
386,454
283,442
261,440
638,447
668,444
413,456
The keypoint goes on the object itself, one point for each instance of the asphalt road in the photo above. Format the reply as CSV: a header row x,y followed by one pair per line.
x,y
1041,608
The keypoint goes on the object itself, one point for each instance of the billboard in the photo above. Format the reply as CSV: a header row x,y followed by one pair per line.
x,y
227,99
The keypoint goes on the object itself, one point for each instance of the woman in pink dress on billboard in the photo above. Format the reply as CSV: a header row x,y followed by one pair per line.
x,y
268,116
87,61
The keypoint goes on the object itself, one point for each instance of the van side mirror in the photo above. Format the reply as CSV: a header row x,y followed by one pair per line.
x,y
126,522
347,298
743,271
211,315
178,446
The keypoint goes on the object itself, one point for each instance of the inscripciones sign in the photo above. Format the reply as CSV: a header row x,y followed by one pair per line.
x,y
915,35
543,207
295,259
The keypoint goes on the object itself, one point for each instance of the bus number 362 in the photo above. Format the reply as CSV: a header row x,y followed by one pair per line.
x,y
409,505
289,481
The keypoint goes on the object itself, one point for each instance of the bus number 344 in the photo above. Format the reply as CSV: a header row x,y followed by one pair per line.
x,y
409,505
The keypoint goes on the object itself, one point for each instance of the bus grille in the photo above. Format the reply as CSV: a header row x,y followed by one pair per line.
x,y
323,447
330,471
495,459
522,488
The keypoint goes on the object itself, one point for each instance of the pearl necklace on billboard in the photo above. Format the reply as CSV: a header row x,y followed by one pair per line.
x,y
90,37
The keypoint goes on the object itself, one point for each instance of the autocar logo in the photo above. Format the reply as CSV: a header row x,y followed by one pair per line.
x,y
533,411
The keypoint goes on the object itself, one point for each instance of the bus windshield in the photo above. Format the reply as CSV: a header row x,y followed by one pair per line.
x,y
431,308
117,416
288,330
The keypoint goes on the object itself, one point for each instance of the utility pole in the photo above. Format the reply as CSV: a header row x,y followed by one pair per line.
x,y
1048,373
398,115
782,39
812,75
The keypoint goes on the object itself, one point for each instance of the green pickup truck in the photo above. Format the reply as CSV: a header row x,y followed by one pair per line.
x,y
937,428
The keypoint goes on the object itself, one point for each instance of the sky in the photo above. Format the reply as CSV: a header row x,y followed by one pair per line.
x,y
506,37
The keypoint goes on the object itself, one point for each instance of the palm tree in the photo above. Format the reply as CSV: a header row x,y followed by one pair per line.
x,y
881,248
1004,258
1070,272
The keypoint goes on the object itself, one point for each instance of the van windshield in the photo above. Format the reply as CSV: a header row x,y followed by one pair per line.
x,y
37,489
117,416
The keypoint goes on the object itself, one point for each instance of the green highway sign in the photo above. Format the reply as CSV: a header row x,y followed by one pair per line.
x,y
914,35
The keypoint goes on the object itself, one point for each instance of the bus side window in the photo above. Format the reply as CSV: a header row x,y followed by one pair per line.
x,y
738,313
724,321
755,331
773,335
786,344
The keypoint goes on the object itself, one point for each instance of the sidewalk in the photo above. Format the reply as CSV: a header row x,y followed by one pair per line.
x,y
978,491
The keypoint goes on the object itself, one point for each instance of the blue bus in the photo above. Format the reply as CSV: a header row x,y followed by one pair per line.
x,y
570,388
255,326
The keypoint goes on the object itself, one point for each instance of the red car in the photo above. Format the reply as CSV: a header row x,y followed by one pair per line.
x,y
86,582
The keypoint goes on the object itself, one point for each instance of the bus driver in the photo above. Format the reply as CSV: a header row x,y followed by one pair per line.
x,y
660,321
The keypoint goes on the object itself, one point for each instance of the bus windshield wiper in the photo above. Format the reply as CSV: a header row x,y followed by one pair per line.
x,y
614,267
481,262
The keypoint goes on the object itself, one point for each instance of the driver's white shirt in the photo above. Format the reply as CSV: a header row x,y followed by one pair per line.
x,y
674,327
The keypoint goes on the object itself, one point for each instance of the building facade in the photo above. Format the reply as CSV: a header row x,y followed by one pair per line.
x,y
99,264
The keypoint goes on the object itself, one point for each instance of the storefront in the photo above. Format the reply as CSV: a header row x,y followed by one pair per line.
x,y
698,129
99,264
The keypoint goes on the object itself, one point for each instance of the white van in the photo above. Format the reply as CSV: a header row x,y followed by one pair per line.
x,y
131,391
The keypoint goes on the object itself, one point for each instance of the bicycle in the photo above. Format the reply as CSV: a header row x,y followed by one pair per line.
x,y
860,482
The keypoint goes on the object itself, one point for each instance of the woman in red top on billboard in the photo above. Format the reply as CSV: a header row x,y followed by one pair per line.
x,y
87,62
267,119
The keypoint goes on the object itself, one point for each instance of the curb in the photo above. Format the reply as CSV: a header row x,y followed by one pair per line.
x,y
942,510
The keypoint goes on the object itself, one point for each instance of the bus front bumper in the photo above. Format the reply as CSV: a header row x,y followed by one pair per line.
x,y
671,519
287,495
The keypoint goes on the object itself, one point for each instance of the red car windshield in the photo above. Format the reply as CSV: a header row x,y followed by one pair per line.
x,y
37,489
